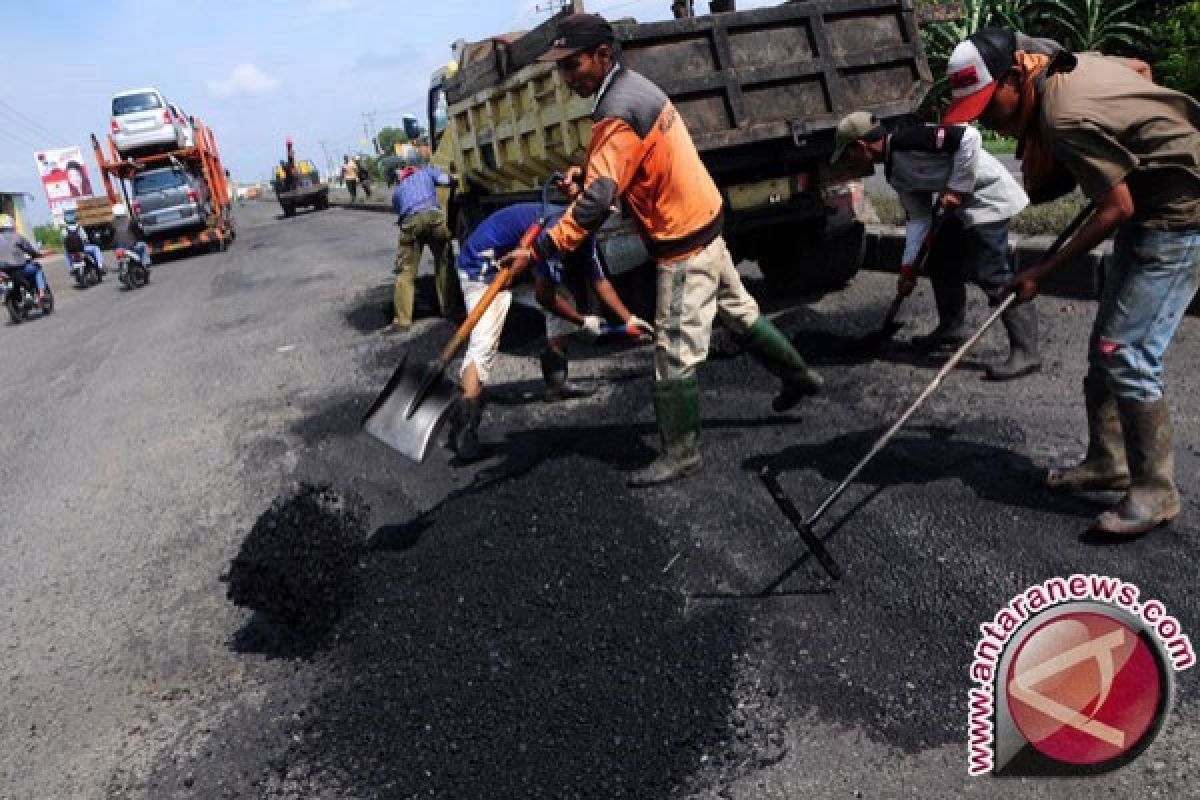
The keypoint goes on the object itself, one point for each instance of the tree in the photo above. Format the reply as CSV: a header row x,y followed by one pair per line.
x,y
1094,25
1177,41
389,137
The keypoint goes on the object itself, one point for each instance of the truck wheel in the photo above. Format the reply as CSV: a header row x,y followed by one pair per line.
x,y
322,202
289,210
819,263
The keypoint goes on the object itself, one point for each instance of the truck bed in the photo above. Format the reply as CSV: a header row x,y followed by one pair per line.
x,y
779,76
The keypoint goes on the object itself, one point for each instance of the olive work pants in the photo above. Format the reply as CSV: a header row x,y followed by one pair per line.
x,y
690,293
418,231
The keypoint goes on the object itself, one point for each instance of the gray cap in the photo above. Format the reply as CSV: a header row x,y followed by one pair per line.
x,y
852,128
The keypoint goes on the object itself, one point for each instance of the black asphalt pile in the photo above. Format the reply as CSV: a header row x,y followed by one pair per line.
x,y
299,561
527,645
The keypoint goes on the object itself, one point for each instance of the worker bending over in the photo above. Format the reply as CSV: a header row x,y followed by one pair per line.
x,y
979,196
1134,149
641,152
495,237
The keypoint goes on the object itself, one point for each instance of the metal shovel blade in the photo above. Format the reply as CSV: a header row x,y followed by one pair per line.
x,y
388,421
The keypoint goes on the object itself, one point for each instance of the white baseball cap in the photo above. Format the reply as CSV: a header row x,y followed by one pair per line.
x,y
974,70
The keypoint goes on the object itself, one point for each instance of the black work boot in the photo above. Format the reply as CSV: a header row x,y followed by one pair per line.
x,y
466,437
1021,322
1152,499
677,411
1104,467
771,348
554,372
950,297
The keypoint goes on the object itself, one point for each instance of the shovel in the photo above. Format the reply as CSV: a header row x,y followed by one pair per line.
x,y
805,527
875,339
406,414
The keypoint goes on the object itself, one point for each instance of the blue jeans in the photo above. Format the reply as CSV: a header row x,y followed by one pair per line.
x,y
1149,282
33,272
94,251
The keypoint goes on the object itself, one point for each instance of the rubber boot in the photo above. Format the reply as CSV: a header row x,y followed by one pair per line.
x,y
1152,499
554,372
950,297
1021,322
466,440
771,348
677,410
1104,466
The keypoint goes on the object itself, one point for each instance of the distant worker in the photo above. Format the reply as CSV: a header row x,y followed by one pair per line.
x,y
364,177
17,254
422,224
350,177
641,151
1133,148
75,239
495,237
978,196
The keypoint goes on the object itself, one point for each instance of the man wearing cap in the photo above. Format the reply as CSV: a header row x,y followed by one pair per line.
x,y
1134,149
641,152
979,196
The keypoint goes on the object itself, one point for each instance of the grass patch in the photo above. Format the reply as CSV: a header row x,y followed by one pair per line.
x,y
999,145
1046,219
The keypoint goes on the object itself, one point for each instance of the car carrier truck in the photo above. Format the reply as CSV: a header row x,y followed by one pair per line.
x,y
214,229
761,92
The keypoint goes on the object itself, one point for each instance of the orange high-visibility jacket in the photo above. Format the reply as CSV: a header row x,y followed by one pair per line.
x,y
641,151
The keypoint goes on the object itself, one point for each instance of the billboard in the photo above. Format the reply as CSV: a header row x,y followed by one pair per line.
x,y
64,177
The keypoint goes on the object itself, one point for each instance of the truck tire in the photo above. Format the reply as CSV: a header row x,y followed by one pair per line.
x,y
322,202
819,263
289,210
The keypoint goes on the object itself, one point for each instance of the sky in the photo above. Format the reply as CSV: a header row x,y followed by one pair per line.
x,y
256,71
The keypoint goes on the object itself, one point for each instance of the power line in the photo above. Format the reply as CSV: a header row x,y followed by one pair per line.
x,y
19,139
27,121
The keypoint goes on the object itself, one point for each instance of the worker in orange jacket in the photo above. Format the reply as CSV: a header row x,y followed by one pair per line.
x,y
642,153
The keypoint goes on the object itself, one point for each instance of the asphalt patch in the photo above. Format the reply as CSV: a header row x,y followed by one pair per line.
x,y
299,562
526,644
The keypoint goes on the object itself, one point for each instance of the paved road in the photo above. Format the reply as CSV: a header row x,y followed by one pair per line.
x,y
526,627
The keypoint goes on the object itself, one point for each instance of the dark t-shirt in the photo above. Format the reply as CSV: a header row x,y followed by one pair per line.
x,y
1105,123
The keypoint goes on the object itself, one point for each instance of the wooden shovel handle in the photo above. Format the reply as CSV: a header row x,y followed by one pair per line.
x,y
502,281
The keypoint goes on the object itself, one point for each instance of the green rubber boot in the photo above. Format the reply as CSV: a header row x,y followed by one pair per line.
x,y
771,348
677,410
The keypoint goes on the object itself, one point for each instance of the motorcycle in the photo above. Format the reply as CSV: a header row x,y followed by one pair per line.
x,y
84,269
132,272
19,298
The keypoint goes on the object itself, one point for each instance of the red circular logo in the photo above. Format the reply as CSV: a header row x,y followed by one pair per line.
x,y
1084,688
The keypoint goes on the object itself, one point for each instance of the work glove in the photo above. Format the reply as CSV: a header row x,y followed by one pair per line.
x,y
593,326
907,281
637,328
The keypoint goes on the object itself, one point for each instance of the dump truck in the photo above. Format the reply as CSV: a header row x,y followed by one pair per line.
x,y
298,184
215,228
761,92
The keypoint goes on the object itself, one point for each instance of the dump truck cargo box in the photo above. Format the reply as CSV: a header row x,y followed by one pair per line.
x,y
752,86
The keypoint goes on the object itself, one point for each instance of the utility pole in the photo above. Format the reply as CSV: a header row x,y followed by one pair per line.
x,y
328,158
369,129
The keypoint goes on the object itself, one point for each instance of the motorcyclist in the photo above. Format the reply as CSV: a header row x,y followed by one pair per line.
x,y
75,240
17,251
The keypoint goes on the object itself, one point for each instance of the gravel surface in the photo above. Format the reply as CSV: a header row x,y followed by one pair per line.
x,y
526,626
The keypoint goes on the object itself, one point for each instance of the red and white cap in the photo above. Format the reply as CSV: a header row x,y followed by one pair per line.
x,y
974,70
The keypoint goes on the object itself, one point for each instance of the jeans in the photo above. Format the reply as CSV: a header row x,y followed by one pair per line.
x,y
32,271
977,255
94,251
1149,282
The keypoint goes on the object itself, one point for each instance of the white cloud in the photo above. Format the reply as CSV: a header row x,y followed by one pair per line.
x,y
244,79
